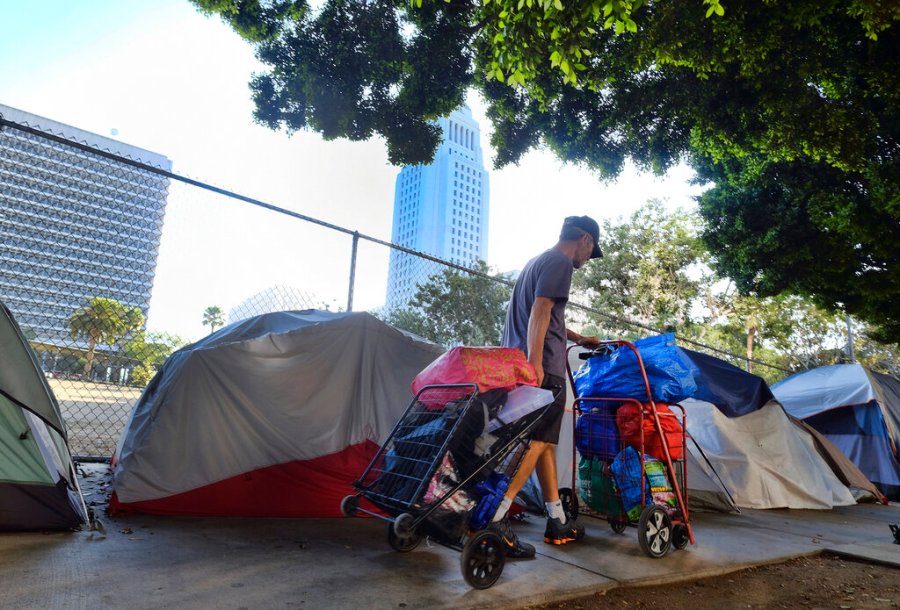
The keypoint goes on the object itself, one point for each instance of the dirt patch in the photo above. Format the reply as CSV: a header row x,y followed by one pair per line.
x,y
822,581
95,414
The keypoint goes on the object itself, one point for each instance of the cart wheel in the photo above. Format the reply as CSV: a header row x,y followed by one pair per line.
x,y
680,537
618,525
402,544
655,531
483,559
569,501
403,525
349,505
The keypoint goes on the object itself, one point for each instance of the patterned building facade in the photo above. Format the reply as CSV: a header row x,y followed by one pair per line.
x,y
73,224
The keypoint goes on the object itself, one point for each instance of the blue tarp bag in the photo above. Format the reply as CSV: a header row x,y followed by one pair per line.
x,y
672,376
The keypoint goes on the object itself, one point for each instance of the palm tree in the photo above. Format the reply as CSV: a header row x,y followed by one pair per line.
x,y
213,316
102,321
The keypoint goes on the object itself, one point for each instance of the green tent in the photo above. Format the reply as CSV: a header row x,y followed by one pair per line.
x,y
38,484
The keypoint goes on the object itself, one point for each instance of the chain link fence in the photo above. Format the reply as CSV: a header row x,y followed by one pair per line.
x,y
105,255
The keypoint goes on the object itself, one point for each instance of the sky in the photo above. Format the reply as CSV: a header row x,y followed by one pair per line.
x,y
159,75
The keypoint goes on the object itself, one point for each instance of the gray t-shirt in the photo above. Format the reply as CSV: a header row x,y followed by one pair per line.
x,y
547,275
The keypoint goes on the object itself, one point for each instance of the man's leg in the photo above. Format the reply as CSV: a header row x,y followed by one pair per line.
x,y
512,545
530,461
546,473
560,529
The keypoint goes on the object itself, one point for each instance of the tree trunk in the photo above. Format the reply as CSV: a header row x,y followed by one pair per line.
x,y
89,357
750,333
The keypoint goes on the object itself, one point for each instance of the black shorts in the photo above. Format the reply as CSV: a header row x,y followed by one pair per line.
x,y
548,426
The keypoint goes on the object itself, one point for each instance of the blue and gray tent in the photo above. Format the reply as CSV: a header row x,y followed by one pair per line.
x,y
38,485
856,409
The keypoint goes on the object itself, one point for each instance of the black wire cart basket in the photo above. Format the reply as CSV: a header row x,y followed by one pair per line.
x,y
630,464
444,469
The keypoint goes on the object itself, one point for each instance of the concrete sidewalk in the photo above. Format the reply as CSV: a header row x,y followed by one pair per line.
x,y
155,562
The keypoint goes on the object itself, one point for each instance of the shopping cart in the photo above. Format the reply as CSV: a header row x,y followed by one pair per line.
x,y
443,471
632,469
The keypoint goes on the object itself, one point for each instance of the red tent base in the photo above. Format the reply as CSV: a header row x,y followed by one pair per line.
x,y
310,488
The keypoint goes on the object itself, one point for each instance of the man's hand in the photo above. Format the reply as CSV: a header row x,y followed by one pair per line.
x,y
539,370
590,342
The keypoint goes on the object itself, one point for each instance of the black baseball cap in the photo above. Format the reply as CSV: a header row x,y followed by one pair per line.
x,y
589,226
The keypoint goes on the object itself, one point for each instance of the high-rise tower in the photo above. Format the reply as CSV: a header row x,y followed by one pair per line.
x,y
440,209
74,225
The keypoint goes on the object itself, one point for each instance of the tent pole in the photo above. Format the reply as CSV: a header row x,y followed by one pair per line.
x,y
352,271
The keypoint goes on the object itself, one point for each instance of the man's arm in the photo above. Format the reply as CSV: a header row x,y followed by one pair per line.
x,y
538,323
582,340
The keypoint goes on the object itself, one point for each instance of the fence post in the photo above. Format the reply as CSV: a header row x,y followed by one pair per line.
x,y
352,271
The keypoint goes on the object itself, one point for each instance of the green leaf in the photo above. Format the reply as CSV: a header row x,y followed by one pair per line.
x,y
558,5
554,59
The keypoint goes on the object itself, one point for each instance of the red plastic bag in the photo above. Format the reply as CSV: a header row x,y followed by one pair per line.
x,y
628,421
490,367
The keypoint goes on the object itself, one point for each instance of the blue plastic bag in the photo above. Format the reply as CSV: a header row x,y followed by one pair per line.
x,y
491,492
626,469
671,374
596,434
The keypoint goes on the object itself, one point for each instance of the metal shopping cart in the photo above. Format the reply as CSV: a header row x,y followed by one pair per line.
x,y
630,466
443,471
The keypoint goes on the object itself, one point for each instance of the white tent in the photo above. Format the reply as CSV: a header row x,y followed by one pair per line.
x,y
272,416
763,459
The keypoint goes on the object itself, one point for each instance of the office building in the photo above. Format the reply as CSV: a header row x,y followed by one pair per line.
x,y
74,225
440,209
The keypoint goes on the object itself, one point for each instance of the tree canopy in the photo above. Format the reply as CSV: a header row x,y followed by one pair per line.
x,y
213,316
762,97
645,272
103,320
457,308
655,272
